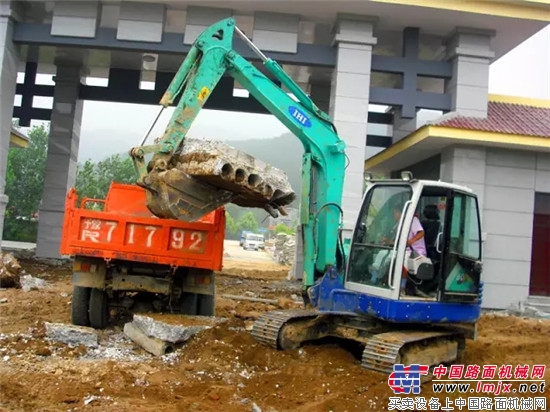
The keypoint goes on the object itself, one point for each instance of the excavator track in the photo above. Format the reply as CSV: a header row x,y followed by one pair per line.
x,y
267,327
386,349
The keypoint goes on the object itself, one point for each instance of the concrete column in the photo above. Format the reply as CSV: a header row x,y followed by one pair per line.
x,y
510,182
61,160
320,94
9,60
465,166
349,104
402,126
471,54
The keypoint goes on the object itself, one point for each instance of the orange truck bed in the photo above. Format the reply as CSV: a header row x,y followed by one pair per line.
x,y
125,229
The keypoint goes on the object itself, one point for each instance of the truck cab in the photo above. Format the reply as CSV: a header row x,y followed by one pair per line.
x,y
253,241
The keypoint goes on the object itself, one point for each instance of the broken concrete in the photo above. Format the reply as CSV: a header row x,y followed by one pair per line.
x,y
207,174
285,248
10,271
169,329
71,334
152,345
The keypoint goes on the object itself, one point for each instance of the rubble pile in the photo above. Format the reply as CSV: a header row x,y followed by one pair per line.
x,y
10,271
285,248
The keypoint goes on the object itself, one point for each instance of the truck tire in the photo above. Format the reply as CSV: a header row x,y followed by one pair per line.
x,y
206,305
80,306
189,303
99,309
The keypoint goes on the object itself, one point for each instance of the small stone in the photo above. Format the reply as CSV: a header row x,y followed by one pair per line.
x,y
4,300
44,351
256,408
64,295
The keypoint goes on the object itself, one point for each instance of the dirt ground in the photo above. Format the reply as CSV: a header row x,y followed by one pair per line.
x,y
220,369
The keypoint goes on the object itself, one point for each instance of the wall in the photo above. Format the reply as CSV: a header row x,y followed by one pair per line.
x,y
426,169
505,181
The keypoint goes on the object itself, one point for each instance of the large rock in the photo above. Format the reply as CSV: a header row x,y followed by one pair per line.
x,y
71,334
172,328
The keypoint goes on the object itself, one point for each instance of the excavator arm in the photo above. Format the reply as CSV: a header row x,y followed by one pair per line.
x,y
323,165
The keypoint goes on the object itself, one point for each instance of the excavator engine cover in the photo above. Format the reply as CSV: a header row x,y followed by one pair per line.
x,y
207,174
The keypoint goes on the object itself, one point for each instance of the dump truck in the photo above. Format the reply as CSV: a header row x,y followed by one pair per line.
x,y
126,258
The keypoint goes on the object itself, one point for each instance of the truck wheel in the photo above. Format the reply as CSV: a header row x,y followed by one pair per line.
x,y
99,309
79,306
206,305
189,303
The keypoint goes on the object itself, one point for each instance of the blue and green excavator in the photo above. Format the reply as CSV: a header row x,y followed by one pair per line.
x,y
404,307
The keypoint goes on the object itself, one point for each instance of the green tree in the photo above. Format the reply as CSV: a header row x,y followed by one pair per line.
x,y
24,185
231,228
248,222
282,228
94,179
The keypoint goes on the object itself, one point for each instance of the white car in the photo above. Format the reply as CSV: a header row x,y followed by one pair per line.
x,y
253,241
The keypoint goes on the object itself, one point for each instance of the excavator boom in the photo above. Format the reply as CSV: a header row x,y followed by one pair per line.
x,y
172,192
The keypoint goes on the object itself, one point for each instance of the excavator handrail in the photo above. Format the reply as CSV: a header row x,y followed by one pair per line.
x,y
323,168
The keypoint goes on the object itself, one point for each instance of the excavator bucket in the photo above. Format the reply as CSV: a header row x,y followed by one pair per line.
x,y
205,175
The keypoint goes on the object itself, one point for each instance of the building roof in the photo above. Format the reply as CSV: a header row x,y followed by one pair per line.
x,y
512,123
18,139
504,117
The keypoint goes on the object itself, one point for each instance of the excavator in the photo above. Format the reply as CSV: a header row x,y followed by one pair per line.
x,y
402,306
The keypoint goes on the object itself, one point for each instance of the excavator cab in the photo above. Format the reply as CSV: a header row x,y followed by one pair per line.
x,y
443,266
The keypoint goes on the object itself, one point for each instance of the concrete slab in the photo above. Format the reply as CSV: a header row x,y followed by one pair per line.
x,y
254,181
207,174
172,328
71,334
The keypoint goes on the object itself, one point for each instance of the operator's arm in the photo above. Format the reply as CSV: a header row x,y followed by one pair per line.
x,y
417,229
415,238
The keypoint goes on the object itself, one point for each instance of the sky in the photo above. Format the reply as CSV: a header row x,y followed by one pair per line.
x,y
114,127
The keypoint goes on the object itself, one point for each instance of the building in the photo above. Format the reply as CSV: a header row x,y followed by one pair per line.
x,y
505,158
18,139
348,55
